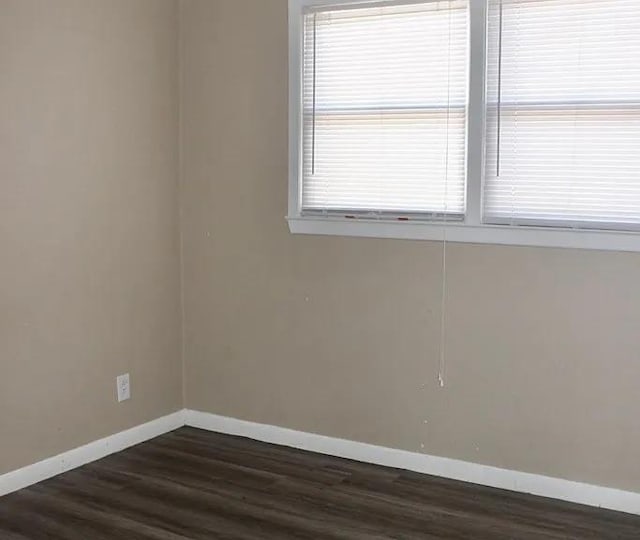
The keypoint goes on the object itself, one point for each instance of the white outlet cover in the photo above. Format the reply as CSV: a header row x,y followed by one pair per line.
x,y
123,387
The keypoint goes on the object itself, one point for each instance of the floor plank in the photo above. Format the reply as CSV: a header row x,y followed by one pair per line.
x,y
191,485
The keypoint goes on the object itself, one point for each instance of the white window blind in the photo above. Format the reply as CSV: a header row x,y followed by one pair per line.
x,y
384,108
563,118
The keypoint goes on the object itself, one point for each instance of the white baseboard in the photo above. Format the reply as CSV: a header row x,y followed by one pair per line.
x,y
545,486
43,470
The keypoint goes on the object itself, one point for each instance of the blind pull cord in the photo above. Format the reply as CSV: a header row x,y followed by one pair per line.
x,y
443,316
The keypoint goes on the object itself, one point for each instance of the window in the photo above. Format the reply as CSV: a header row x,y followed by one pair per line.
x,y
563,122
494,121
384,109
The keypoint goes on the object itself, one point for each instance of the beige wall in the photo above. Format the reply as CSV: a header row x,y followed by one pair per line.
x,y
330,335
89,265
336,335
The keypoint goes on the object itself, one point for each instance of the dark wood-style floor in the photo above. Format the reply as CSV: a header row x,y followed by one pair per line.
x,y
193,484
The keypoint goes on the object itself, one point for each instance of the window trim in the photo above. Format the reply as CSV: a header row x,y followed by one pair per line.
x,y
471,229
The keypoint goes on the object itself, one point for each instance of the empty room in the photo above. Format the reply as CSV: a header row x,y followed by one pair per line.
x,y
319,269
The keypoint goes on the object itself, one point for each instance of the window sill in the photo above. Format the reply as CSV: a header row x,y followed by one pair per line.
x,y
464,233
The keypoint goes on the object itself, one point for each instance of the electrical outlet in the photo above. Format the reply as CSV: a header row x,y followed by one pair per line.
x,y
124,388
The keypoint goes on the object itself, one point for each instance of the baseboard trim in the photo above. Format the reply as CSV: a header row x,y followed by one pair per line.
x,y
48,468
545,486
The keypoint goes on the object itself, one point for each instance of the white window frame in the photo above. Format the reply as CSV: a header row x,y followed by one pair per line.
x,y
471,229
